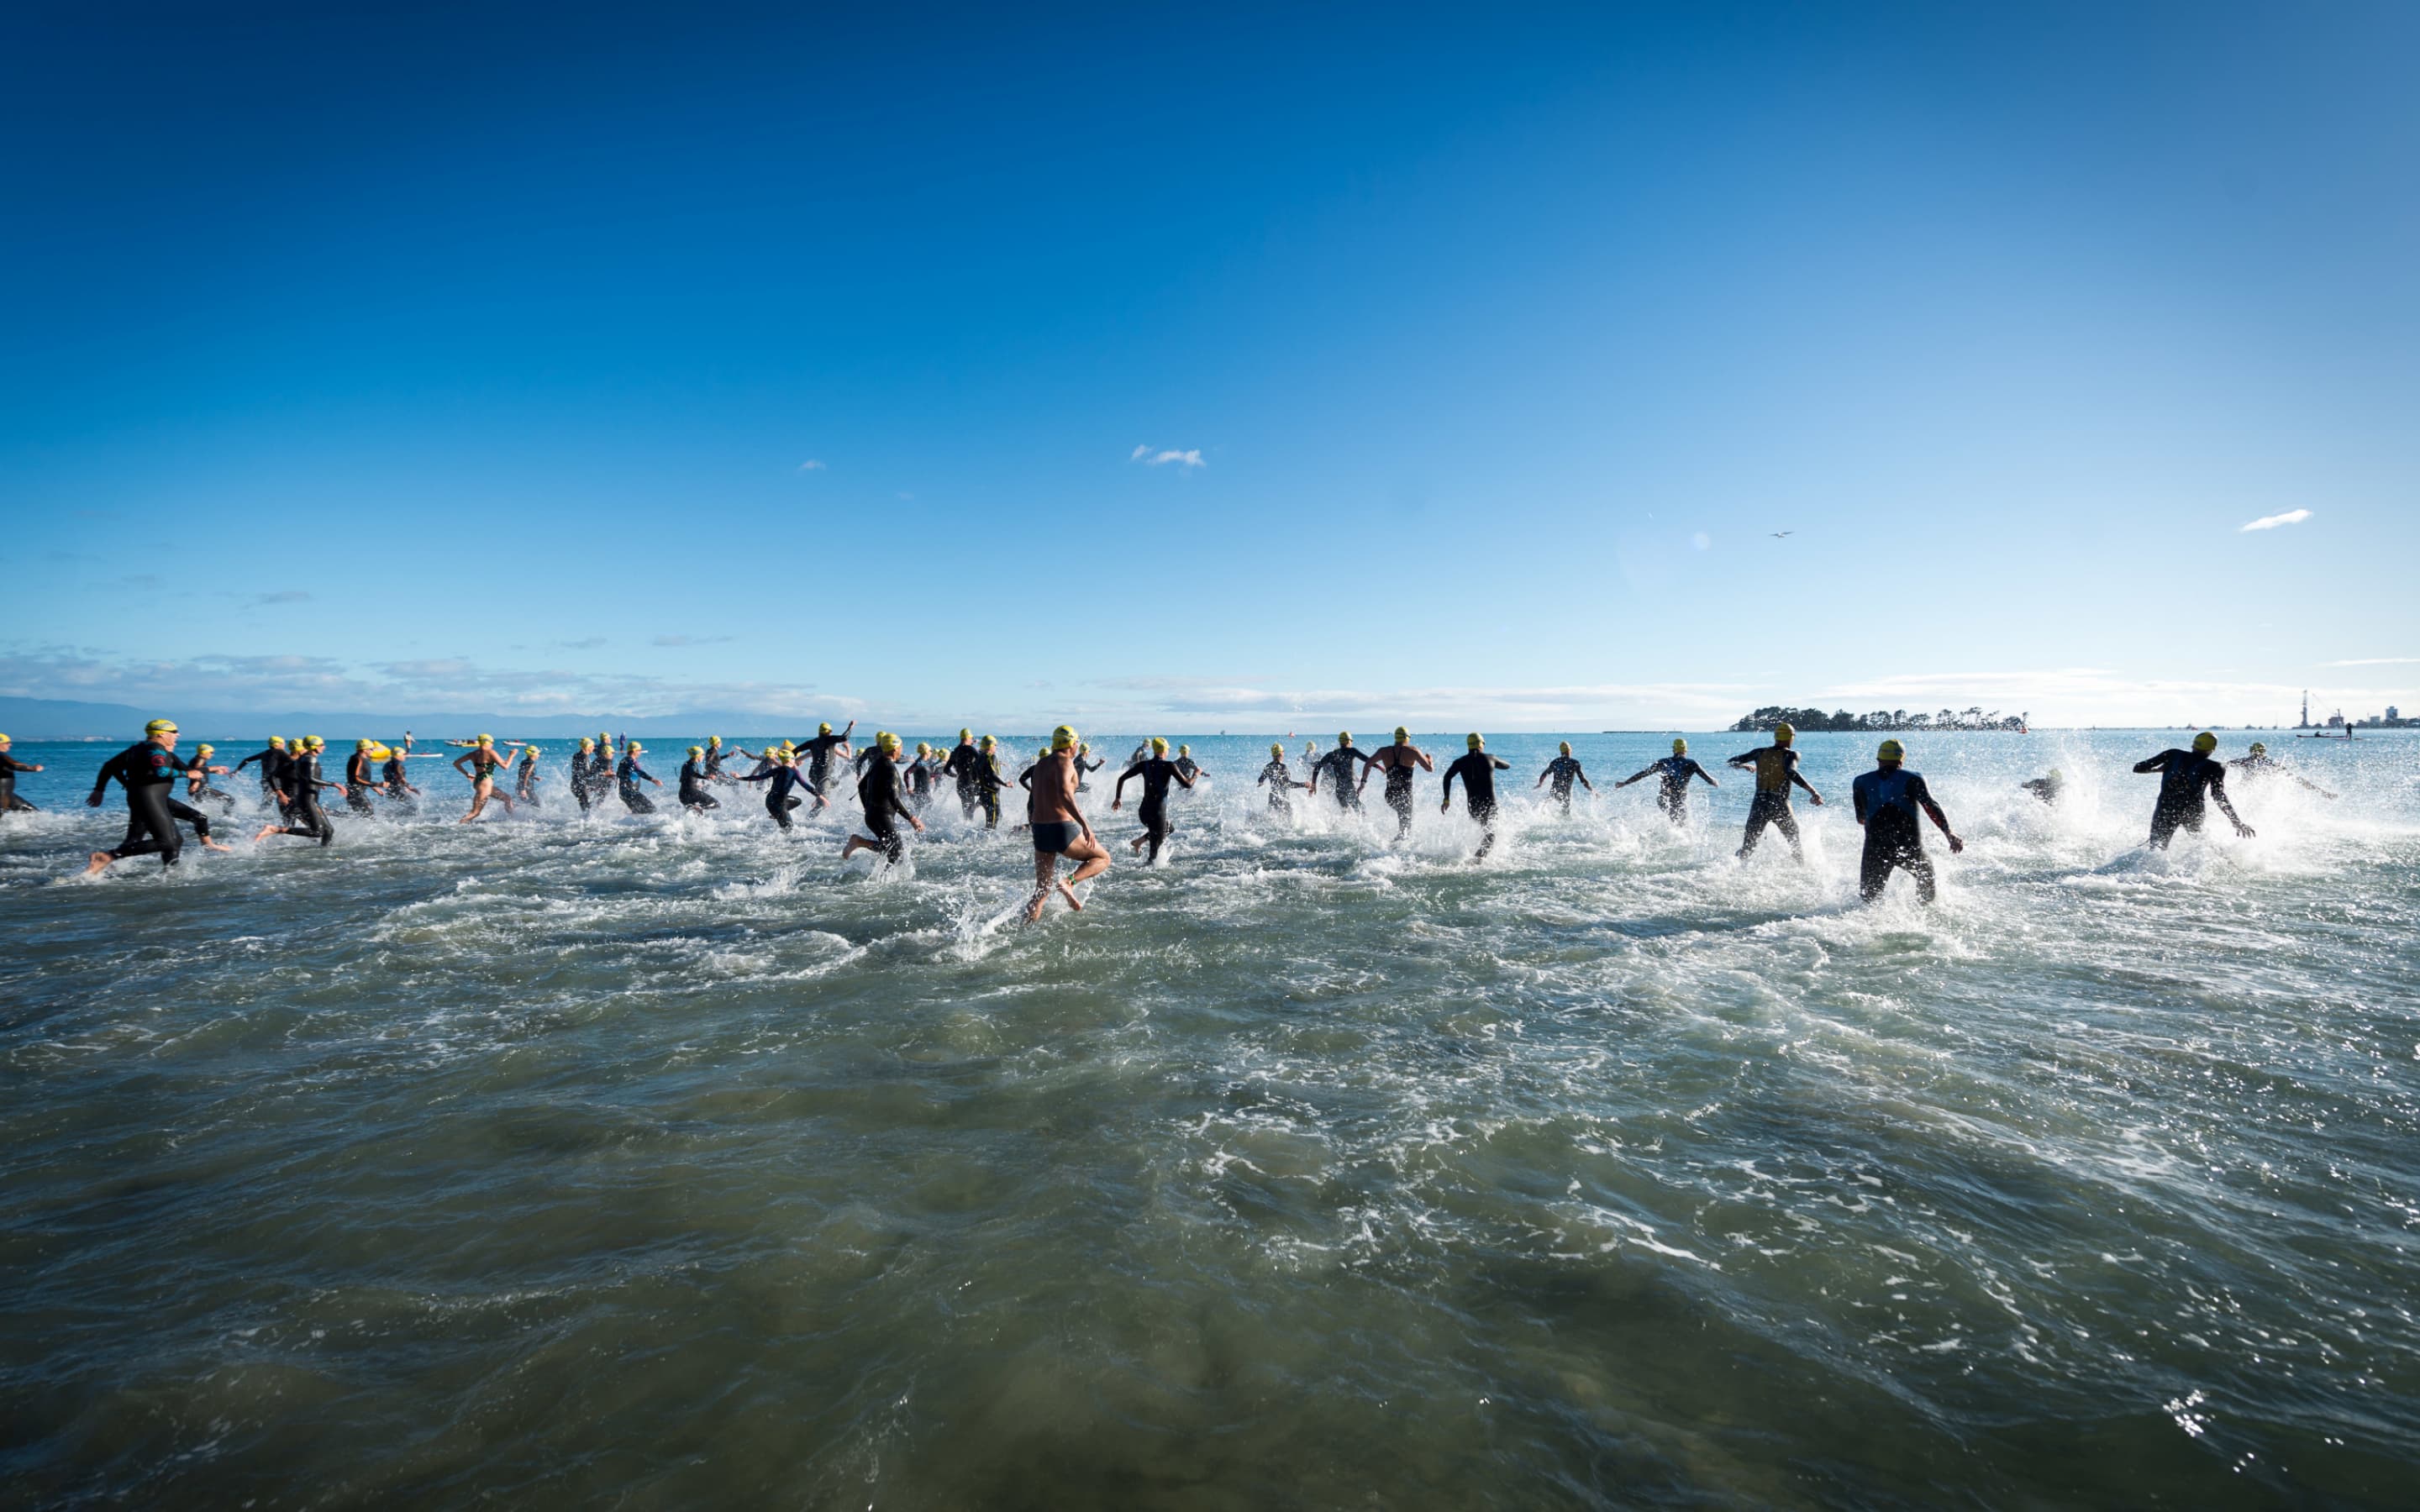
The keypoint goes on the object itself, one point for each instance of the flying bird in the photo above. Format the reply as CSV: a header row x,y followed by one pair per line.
x,y
1778,534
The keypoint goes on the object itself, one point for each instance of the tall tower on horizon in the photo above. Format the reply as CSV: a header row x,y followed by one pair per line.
x,y
2306,710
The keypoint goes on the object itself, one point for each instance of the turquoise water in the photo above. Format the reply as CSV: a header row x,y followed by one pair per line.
x,y
671,1163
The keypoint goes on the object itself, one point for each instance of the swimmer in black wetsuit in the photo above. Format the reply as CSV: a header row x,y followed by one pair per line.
x,y
198,781
779,768
990,781
819,751
399,788
629,775
147,771
694,778
481,764
1086,765
1478,771
879,792
1564,769
919,778
360,775
525,778
2256,765
2047,789
961,765
1156,772
1278,779
579,777
1399,762
10,767
2187,778
1677,772
305,818
1887,800
1337,767
273,770
1776,771
713,761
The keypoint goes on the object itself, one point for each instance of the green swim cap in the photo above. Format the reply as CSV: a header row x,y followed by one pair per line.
x,y
1680,747
2260,747
1277,748
1476,740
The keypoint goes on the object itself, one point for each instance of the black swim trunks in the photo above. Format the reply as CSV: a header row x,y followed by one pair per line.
x,y
1054,837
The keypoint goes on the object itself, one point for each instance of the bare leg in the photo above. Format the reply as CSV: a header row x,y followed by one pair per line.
x,y
1046,875
1095,861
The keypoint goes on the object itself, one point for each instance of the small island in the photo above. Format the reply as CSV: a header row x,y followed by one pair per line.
x,y
1811,720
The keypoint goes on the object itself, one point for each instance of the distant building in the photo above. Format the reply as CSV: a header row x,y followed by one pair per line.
x,y
2394,713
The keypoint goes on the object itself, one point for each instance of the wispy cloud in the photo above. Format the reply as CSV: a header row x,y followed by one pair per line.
x,y
591,643
2270,522
282,596
1151,458
284,683
692,640
813,464
2374,661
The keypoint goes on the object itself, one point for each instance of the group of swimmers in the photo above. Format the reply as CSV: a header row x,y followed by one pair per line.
x,y
895,787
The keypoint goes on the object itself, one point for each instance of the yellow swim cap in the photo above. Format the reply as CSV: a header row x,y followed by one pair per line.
x,y
632,747
987,743
1565,746
1680,747
529,748
965,736
277,742
312,741
1184,751
887,741
1890,750
2205,743
1063,738
362,744
922,749
824,729
1277,748
1159,746
4,740
697,750
487,740
586,744
1474,740
714,740
160,727
1403,736
198,751
1345,737
2055,777
1784,733
2259,748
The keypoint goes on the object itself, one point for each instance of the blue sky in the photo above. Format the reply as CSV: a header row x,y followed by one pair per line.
x,y
796,363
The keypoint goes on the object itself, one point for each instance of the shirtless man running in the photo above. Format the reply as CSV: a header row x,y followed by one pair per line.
x,y
1059,827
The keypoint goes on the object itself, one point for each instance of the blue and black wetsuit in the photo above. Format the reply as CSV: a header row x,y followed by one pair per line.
x,y
777,802
1889,802
631,774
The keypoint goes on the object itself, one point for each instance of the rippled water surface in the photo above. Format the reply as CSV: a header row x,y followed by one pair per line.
x,y
671,1163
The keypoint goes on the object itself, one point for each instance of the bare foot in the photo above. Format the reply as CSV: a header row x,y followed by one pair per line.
x,y
214,845
266,830
1073,901
101,860
1034,909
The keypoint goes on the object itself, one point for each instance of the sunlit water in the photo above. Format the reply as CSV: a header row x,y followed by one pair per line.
x,y
668,1163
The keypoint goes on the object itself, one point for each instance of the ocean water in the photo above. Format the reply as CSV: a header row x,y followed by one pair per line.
x,y
670,1163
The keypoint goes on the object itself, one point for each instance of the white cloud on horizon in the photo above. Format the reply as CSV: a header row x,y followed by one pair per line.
x,y
2375,662
1150,459
2270,522
812,465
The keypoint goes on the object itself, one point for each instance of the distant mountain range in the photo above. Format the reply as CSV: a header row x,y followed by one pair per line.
x,y
66,719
